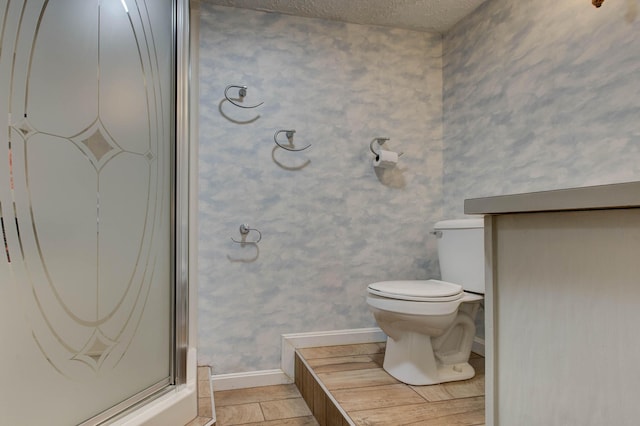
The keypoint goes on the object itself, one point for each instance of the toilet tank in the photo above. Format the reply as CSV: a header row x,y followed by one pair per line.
x,y
461,252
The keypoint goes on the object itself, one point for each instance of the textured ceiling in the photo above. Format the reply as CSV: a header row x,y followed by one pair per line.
x,y
420,15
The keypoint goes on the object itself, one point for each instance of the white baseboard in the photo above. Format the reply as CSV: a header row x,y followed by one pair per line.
x,y
249,379
478,346
291,342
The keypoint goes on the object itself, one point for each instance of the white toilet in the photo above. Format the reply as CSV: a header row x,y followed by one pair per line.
x,y
430,323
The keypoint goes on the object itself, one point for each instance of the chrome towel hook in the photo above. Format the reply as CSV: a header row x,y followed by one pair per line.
x,y
244,231
289,134
242,92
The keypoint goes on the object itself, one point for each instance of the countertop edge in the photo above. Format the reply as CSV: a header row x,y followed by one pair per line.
x,y
611,196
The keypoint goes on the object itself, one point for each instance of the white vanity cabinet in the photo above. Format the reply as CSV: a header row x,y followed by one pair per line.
x,y
563,306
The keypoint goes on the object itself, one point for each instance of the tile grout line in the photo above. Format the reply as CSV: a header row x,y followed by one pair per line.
x,y
418,393
439,417
436,417
258,402
340,356
418,403
369,354
264,418
362,386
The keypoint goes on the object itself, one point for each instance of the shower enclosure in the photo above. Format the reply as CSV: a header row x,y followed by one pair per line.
x,y
92,223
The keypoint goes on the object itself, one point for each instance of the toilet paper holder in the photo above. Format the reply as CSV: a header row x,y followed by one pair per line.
x,y
380,141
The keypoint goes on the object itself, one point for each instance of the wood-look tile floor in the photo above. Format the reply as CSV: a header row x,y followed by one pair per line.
x,y
280,405
354,377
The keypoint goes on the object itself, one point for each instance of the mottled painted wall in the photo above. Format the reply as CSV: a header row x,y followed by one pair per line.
x,y
541,95
334,226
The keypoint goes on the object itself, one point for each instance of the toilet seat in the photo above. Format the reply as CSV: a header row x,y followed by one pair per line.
x,y
417,290
412,307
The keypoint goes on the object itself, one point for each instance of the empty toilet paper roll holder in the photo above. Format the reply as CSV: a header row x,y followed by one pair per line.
x,y
380,141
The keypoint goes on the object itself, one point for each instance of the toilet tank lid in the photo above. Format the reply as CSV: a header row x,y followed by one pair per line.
x,y
460,224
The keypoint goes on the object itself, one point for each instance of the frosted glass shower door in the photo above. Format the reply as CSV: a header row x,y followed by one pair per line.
x,y
85,206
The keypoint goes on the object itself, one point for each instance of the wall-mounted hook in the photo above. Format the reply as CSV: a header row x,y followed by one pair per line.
x,y
289,135
242,92
244,231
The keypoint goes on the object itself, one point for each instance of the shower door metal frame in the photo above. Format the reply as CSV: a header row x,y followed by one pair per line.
x,y
181,191
179,220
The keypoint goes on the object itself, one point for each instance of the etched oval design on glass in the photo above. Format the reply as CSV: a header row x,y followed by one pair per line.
x,y
88,130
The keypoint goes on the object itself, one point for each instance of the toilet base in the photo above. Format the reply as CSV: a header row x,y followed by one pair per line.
x,y
455,372
412,361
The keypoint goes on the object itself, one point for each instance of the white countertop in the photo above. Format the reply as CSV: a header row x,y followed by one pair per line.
x,y
612,196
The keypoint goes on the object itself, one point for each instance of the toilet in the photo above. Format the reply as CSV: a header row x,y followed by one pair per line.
x,y
430,323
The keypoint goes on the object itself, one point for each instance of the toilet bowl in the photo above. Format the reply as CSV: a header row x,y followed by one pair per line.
x,y
430,323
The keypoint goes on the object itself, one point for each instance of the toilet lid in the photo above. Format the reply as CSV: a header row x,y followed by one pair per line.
x,y
418,290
